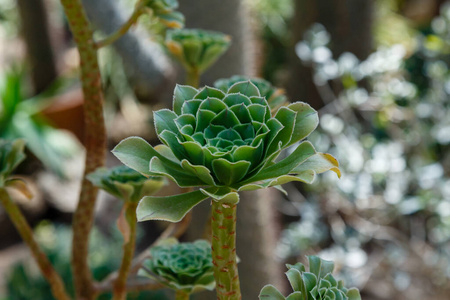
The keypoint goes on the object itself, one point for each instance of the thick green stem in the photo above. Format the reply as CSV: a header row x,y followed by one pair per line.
x,y
21,224
95,142
223,225
181,295
193,77
120,285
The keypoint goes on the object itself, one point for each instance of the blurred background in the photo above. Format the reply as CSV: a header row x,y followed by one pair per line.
x,y
376,70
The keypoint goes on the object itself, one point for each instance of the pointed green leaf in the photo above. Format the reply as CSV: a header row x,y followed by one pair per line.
x,y
169,208
166,152
165,120
353,294
295,296
181,177
200,171
269,292
306,177
310,280
230,172
204,118
244,87
223,194
186,119
209,92
306,121
285,166
225,118
287,117
190,107
194,152
295,279
213,104
170,139
135,153
233,99
319,163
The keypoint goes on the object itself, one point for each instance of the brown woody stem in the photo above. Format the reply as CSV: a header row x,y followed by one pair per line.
x,y
223,245
120,285
21,224
95,143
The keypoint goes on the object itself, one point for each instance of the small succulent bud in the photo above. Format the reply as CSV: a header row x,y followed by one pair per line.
x,y
11,155
181,266
125,183
165,11
197,49
317,284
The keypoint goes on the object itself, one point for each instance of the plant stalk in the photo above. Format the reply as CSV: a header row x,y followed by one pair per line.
x,y
181,295
120,285
95,143
138,11
46,268
223,246
193,77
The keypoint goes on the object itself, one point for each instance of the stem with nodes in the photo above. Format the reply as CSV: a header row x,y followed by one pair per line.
x,y
120,291
46,268
95,142
223,246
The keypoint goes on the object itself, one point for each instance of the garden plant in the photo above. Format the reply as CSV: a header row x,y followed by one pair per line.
x,y
242,134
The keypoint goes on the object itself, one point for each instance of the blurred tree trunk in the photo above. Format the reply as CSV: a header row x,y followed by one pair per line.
x,y
349,23
256,233
35,30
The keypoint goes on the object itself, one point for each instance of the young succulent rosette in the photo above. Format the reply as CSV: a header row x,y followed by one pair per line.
x,y
165,11
197,49
181,266
11,155
274,96
224,142
125,183
317,284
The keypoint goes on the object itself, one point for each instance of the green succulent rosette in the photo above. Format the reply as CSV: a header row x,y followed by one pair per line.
x,y
196,49
125,183
316,284
223,142
165,11
181,266
275,96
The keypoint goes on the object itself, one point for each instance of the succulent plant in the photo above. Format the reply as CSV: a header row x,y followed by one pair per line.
x,y
275,96
181,266
317,284
224,142
125,183
196,49
165,11
11,155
